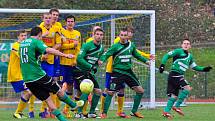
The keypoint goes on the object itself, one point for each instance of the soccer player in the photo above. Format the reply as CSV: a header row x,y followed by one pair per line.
x,y
71,45
15,76
36,79
93,30
182,60
51,38
109,68
122,53
87,62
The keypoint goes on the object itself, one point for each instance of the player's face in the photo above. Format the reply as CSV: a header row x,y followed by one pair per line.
x,y
98,36
186,45
70,22
54,16
96,27
22,36
130,35
123,35
47,19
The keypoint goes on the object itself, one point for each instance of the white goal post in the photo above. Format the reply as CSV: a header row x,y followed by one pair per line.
x,y
151,13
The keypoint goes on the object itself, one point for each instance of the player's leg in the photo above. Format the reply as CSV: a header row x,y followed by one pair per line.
x,y
172,92
43,94
104,93
67,87
115,85
182,95
25,95
31,106
134,84
95,99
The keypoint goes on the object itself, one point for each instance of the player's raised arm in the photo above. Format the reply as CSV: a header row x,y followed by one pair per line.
x,y
138,56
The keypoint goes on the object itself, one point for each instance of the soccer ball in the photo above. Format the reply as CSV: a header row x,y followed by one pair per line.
x,y
86,86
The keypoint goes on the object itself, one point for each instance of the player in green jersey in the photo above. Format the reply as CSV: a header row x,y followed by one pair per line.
x,y
87,62
38,82
122,53
182,60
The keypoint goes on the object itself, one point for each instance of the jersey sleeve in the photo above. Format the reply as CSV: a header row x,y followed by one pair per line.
x,y
40,46
138,56
81,55
194,66
107,54
15,49
169,55
143,54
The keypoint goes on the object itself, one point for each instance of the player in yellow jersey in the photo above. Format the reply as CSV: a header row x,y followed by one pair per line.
x,y
93,30
71,45
15,76
120,94
51,37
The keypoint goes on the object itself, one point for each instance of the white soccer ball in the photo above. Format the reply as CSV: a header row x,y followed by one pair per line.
x,y
86,86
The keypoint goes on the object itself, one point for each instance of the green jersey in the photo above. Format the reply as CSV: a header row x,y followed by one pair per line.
x,y
122,55
182,60
89,55
30,51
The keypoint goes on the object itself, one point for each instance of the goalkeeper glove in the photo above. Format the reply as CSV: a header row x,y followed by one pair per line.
x,y
162,67
207,69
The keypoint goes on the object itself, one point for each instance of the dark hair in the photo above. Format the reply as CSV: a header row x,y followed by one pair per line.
x,y
35,31
70,16
124,29
53,10
21,31
99,30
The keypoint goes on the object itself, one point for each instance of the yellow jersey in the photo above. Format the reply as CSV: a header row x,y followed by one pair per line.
x,y
89,39
109,67
51,39
68,46
14,71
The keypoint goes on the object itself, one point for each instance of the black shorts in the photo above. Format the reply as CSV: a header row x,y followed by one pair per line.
x,y
42,87
118,79
80,75
176,82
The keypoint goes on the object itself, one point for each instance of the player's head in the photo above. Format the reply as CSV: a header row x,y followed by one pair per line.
x,y
94,28
46,18
22,35
98,35
123,35
54,14
186,45
36,32
130,30
70,21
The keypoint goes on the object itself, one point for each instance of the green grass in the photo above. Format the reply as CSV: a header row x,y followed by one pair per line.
x,y
200,112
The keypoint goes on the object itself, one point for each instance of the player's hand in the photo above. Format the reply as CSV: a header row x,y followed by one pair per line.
x,y
100,63
94,69
152,57
162,67
44,57
69,55
75,43
207,69
45,34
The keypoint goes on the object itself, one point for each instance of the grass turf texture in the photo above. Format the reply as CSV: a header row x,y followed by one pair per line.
x,y
200,112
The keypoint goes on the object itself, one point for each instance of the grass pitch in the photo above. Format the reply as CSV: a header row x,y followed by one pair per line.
x,y
200,112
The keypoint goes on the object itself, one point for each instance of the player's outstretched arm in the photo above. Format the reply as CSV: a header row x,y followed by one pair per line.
x,y
58,53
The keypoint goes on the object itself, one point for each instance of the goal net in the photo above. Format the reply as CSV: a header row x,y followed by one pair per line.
x,y
112,21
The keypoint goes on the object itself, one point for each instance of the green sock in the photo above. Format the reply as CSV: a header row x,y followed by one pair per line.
x,y
67,100
59,116
182,95
137,99
107,103
83,97
169,105
95,101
